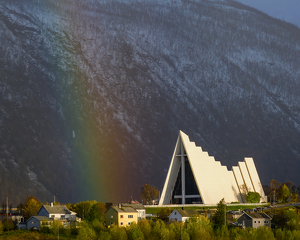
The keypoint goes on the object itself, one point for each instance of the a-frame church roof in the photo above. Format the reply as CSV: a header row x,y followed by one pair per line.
x,y
213,181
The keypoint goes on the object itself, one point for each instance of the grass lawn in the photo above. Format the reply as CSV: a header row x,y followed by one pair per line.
x,y
156,210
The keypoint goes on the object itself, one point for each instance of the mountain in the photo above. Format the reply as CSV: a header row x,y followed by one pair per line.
x,y
93,93
287,10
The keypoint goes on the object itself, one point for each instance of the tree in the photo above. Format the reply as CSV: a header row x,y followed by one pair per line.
x,y
284,193
31,206
294,196
164,213
96,212
275,190
82,209
253,197
8,224
244,191
220,216
86,232
266,189
148,193
101,208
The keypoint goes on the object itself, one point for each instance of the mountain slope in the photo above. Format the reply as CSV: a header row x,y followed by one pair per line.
x,y
94,93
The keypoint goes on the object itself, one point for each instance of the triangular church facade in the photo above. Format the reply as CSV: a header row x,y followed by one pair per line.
x,y
195,177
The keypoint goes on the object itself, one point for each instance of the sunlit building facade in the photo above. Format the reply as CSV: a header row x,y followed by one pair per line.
x,y
195,177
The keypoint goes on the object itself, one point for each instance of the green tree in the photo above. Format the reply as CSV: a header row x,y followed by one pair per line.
x,y
82,209
244,191
199,228
118,233
264,233
293,222
145,226
86,232
284,193
253,197
219,218
134,232
148,194
93,214
8,225
104,235
101,209
282,218
56,227
164,213
160,230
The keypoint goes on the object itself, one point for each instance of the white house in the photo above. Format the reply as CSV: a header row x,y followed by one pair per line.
x,y
57,212
181,215
47,214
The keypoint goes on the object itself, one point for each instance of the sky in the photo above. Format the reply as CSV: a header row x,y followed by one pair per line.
x,y
287,10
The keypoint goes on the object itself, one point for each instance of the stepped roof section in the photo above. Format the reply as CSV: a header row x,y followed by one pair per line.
x,y
212,180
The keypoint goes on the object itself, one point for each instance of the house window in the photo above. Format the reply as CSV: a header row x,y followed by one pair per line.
x,y
175,213
111,216
258,221
111,223
130,216
254,221
62,216
121,216
121,223
52,216
128,223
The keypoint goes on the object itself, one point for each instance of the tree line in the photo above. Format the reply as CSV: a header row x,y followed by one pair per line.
x,y
282,193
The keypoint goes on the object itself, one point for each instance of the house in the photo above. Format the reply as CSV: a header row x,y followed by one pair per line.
x,y
35,222
47,214
182,215
58,212
138,207
120,216
254,220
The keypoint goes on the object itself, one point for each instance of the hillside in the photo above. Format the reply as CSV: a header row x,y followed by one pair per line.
x,y
93,93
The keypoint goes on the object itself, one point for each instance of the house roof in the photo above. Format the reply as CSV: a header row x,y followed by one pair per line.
x,y
187,212
56,209
40,218
256,215
122,209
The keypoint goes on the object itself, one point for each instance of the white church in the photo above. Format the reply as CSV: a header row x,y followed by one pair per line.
x,y
196,177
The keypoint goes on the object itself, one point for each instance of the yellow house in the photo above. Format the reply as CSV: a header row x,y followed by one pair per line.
x,y
120,216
